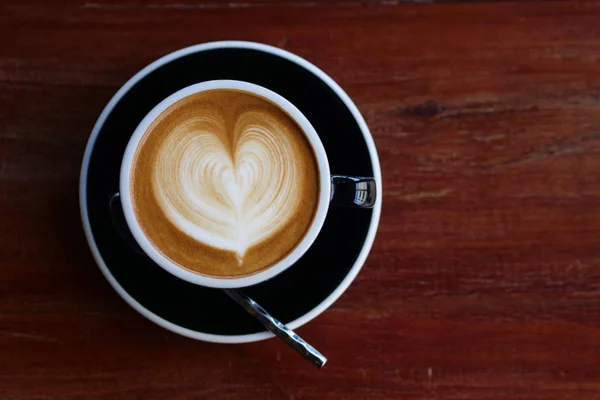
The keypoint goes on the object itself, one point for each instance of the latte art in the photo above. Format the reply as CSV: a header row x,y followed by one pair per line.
x,y
224,183
229,190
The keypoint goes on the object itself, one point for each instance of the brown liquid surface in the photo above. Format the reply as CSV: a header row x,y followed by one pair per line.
x,y
224,183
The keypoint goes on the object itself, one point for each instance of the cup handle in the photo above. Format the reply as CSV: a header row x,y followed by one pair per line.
x,y
353,191
118,220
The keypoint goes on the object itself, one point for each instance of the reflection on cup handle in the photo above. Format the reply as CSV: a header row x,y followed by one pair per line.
x,y
353,191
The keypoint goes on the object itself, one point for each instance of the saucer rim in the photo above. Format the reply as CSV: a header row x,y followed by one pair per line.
x,y
367,244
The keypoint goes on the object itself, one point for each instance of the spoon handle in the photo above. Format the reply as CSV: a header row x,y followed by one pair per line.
x,y
279,329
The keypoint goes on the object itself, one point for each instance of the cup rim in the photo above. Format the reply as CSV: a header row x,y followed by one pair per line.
x,y
267,273
166,59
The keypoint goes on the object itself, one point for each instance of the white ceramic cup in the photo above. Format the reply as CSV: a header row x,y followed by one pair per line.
x,y
323,202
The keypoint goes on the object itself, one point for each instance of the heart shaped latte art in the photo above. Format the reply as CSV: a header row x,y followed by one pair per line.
x,y
229,184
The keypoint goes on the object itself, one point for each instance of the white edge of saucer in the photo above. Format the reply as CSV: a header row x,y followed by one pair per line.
x,y
368,240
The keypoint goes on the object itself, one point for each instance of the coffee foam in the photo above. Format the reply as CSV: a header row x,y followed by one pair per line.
x,y
230,172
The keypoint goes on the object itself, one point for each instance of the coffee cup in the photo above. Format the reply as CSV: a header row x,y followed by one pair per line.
x,y
289,225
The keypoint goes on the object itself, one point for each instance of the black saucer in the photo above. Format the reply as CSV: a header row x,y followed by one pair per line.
x,y
290,295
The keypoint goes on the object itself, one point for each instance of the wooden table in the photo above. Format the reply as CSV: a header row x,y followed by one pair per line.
x,y
484,280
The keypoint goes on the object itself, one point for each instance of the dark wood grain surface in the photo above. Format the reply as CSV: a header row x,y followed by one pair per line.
x,y
484,280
